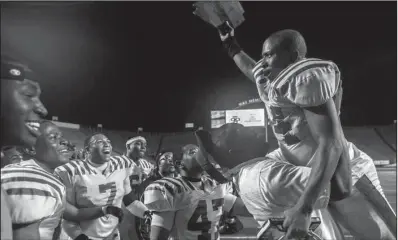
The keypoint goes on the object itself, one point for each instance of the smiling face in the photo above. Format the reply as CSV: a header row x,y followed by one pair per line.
x,y
51,148
21,111
100,149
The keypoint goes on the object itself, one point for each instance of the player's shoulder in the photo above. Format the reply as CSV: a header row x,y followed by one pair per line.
x,y
168,194
24,175
309,82
121,162
174,185
74,168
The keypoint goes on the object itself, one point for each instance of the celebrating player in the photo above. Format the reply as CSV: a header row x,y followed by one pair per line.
x,y
99,181
36,197
135,150
21,108
303,97
191,204
165,167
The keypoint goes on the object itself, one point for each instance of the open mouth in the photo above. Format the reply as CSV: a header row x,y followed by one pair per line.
x,y
33,127
106,151
63,151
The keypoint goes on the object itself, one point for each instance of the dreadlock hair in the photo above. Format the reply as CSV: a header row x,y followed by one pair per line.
x,y
87,140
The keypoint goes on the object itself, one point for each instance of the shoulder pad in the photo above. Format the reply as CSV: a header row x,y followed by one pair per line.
x,y
308,83
159,197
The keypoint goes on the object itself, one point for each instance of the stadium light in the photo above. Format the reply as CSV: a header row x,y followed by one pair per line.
x,y
55,118
99,125
189,125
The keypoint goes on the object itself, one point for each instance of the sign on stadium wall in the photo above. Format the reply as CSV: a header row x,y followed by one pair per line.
x,y
249,101
246,117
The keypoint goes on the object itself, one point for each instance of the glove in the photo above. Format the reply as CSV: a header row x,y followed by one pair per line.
x,y
231,225
227,35
115,211
82,237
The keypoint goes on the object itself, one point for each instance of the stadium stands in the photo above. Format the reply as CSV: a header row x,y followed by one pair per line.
x,y
379,142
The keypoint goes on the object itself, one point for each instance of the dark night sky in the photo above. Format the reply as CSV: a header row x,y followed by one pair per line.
x,y
152,64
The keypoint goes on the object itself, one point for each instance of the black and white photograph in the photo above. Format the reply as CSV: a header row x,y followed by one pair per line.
x,y
198,120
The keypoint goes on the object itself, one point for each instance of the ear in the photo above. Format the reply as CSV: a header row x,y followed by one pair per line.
x,y
294,56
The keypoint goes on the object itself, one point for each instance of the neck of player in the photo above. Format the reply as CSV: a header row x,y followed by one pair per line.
x,y
97,162
43,165
191,175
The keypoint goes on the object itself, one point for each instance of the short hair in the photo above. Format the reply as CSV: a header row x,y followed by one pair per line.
x,y
290,40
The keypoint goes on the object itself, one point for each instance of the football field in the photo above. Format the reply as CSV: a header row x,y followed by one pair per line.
x,y
388,179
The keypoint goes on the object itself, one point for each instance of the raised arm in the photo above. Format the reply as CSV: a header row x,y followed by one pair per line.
x,y
244,62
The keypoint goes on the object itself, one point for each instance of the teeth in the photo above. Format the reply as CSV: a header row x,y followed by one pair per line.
x,y
32,127
33,124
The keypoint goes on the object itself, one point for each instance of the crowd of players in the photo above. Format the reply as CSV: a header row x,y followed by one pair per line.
x,y
314,172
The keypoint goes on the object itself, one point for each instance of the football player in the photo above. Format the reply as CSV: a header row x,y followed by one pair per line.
x,y
21,108
135,150
165,167
36,197
191,204
303,98
99,181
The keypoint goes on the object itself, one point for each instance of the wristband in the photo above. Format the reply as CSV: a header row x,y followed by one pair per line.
x,y
231,46
137,208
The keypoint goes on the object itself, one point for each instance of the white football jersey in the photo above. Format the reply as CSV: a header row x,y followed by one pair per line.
x,y
197,212
88,187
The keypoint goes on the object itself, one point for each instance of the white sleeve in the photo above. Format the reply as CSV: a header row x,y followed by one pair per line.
x,y
229,201
163,219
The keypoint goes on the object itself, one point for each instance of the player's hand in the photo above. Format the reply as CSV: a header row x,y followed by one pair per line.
x,y
226,31
296,223
82,237
115,211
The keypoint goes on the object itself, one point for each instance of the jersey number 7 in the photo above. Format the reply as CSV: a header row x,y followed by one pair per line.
x,y
205,225
109,186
